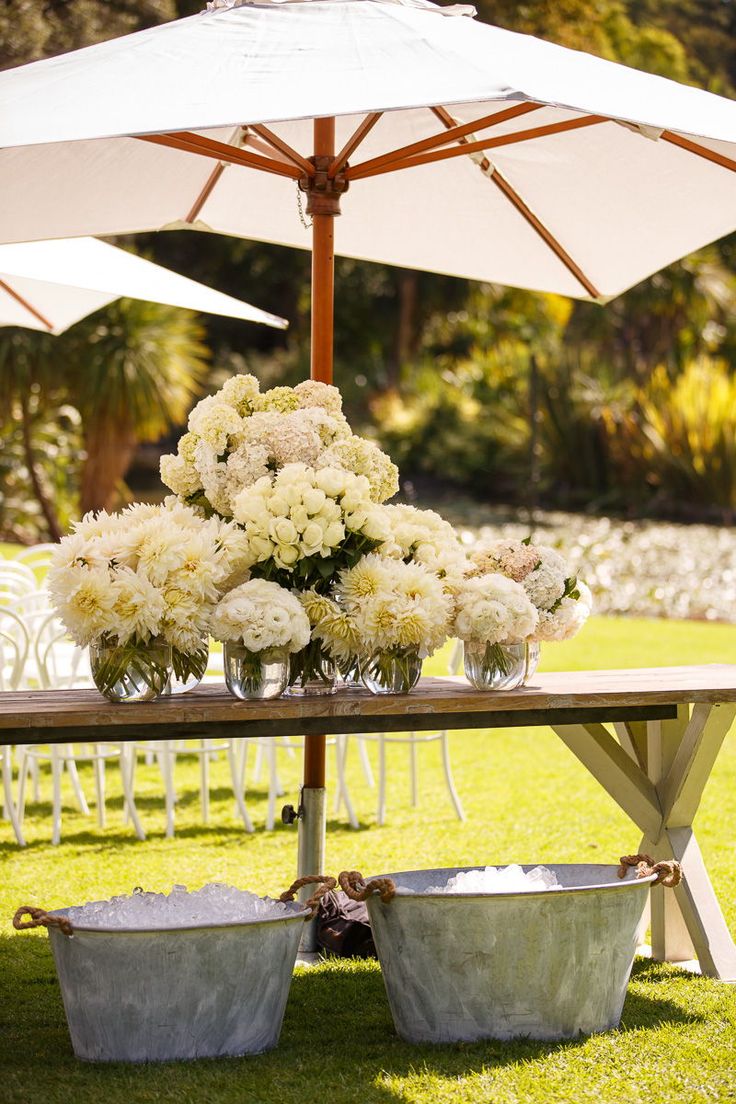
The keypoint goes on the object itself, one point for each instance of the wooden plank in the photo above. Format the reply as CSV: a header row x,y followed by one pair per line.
x,y
699,906
620,777
603,690
337,724
683,785
632,736
670,937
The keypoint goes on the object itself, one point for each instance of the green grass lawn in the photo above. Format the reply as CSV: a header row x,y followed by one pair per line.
x,y
527,800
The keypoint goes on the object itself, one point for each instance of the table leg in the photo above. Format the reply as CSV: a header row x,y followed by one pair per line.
x,y
689,922
657,777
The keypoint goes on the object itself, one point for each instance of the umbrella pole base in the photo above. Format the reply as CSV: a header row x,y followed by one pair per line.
x,y
311,854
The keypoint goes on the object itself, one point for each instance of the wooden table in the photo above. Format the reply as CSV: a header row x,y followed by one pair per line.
x,y
669,724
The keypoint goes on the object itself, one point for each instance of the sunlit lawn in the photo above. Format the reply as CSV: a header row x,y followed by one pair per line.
x,y
526,799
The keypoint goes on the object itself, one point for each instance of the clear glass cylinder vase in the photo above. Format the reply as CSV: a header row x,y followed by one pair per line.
x,y
532,660
392,672
131,672
349,672
188,668
312,672
255,675
495,666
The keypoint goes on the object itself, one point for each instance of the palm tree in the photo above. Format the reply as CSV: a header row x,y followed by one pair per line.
x,y
132,371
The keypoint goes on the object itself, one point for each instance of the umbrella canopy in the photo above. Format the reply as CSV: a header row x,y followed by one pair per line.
x,y
473,151
50,285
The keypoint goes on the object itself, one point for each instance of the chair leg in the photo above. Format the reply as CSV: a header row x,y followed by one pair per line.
x,y
413,771
57,764
127,777
381,812
232,758
71,766
365,762
341,788
274,787
36,779
448,777
6,766
166,764
25,765
99,769
204,779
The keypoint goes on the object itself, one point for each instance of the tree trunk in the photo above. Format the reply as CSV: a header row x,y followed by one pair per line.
x,y
47,508
110,447
406,339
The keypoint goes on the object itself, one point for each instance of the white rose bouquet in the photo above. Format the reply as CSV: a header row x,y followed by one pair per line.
x,y
422,536
148,573
241,435
305,524
563,602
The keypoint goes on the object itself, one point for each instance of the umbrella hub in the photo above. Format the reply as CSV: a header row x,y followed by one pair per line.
x,y
322,190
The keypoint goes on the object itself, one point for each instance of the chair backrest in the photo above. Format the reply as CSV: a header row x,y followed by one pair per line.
x,y
16,578
60,663
36,555
14,647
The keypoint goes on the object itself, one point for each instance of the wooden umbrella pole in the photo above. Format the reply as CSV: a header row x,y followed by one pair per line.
x,y
323,205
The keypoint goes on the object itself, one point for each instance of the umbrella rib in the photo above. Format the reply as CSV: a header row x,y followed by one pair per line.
x,y
188,142
359,173
366,168
513,196
700,151
353,142
206,192
283,147
26,306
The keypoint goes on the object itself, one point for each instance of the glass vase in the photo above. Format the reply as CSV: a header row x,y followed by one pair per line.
x,y
188,668
312,672
255,675
392,672
495,666
131,672
349,671
532,661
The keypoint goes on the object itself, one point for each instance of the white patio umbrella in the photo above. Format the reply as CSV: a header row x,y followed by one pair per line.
x,y
50,285
467,150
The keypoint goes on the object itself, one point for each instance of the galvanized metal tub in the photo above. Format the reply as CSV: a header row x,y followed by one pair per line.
x,y
173,993
542,965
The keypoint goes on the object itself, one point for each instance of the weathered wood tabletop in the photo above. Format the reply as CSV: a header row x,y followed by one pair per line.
x,y
572,697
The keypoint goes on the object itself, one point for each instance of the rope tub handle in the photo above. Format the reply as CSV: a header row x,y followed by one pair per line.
x,y
40,918
668,871
354,885
324,884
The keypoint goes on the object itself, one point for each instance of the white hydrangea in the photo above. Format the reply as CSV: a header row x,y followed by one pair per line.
x,y
215,421
312,393
262,615
493,609
241,392
358,455
545,585
567,619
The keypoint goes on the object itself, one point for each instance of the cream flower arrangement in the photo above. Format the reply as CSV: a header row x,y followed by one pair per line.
x,y
261,616
394,606
422,536
150,572
303,524
241,434
563,603
491,611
